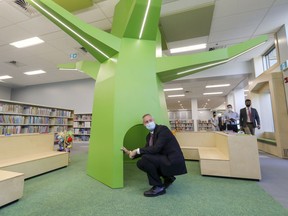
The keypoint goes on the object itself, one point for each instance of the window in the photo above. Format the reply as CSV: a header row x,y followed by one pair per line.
x,y
269,58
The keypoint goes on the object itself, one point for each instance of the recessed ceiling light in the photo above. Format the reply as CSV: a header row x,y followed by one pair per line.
x,y
27,42
180,95
216,86
188,48
212,93
173,89
5,77
34,72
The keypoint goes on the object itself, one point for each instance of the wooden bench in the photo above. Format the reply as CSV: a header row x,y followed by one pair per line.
x,y
23,156
31,154
267,138
11,186
220,154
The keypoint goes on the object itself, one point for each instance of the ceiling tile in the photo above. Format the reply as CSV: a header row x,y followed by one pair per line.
x,y
91,15
11,13
232,7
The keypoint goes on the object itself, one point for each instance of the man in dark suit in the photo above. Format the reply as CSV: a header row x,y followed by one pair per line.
x,y
160,158
249,118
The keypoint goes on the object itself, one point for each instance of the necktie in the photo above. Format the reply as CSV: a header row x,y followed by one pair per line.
x,y
151,139
250,116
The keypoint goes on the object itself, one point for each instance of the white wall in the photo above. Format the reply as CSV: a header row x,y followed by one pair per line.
x,y
265,112
5,93
76,95
239,100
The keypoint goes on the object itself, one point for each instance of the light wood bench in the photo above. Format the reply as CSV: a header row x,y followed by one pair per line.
x,y
11,186
220,154
31,154
23,156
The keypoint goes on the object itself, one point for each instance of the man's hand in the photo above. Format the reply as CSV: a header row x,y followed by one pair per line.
x,y
258,126
126,151
133,153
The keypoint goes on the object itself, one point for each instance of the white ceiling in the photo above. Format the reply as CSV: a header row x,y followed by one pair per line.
x,y
234,21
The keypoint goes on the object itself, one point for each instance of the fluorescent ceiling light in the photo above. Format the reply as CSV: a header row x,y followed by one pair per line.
x,y
34,72
188,48
246,90
27,42
215,86
68,69
173,89
180,95
144,20
5,77
212,93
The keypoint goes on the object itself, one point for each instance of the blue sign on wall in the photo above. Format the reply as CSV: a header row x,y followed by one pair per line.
x,y
284,65
73,55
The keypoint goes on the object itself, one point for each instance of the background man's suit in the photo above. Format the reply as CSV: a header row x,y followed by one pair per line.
x,y
255,120
163,158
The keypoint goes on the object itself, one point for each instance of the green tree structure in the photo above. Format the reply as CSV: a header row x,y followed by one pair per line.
x,y
129,71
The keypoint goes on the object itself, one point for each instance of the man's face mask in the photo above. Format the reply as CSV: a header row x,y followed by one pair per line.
x,y
150,126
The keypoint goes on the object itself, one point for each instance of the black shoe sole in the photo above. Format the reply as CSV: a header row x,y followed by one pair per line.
x,y
154,195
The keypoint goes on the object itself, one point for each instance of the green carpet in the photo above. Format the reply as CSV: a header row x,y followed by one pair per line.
x,y
69,191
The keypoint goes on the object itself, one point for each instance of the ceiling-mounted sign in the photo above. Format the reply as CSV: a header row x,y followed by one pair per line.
x,y
73,55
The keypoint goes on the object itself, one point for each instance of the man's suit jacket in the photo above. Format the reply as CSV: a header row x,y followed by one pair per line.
x,y
167,149
254,117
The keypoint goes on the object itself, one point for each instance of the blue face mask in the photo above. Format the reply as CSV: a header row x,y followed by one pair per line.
x,y
150,126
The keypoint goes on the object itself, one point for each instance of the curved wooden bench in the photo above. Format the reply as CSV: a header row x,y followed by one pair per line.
x,y
220,154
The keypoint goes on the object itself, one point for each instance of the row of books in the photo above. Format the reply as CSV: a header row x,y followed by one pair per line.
x,y
10,130
82,124
60,121
79,131
37,111
83,117
13,108
31,110
8,119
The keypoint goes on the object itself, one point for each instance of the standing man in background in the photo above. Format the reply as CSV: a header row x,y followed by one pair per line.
x,y
161,157
249,118
231,118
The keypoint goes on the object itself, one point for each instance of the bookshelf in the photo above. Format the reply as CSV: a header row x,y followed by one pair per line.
x,y
204,125
182,125
21,118
82,127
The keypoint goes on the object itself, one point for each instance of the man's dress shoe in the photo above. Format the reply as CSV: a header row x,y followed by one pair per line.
x,y
155,191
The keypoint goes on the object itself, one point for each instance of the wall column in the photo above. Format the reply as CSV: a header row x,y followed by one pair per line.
x,y
194,110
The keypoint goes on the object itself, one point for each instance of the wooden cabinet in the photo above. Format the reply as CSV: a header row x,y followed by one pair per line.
x,y
82,127
20,118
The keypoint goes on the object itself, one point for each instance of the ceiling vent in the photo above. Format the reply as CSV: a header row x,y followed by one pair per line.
x,y
24,5
216,47
83,50
16,64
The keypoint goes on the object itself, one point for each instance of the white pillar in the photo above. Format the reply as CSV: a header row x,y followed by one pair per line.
x,y
239,100
194,110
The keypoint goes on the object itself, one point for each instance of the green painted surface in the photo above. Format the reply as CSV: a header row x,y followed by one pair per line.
x,y
128,78
74,5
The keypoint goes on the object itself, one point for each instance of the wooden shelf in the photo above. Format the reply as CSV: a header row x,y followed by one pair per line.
x,y
21,118
82,127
